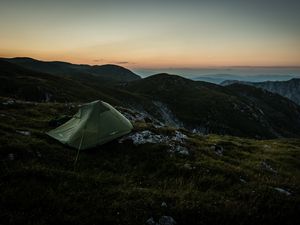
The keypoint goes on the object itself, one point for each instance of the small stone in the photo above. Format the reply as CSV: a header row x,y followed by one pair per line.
x,y
243,181
150,221
167,220
144,137
8,102
11,156
164,204
188,166
282,191
267,167
181,150
23,132
218,149
179,137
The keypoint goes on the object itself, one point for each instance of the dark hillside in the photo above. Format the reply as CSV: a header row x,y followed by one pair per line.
x,y
21,83
112,73
217,109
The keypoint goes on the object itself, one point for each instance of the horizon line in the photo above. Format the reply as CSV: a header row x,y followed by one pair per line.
x,y
169,67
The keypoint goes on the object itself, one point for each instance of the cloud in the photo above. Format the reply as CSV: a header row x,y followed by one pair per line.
x,y
98,60
121,62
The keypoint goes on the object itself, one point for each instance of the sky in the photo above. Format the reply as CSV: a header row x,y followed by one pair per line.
x,y
153,34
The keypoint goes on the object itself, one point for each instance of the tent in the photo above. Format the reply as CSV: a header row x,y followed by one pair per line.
x,y
94,124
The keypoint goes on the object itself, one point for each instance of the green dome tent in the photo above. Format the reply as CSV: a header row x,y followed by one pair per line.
x,y
94,124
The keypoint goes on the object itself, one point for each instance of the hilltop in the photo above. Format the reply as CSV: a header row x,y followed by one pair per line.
x,y
21,83
105,72
210,108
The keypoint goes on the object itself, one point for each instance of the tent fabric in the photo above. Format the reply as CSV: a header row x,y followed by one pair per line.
x,y
94,124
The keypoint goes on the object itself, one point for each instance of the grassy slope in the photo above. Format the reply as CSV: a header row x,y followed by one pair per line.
x,y
282,113
126,184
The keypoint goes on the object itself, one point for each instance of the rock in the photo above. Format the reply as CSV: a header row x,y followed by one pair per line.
x,y
135,116
167,115
9,102
38,154
188,166
59,120
267,167
11,156
166,220
183,151
144,137
282,191
151,221
23,132
200,130
158,125
243,181
180,150
164,204
148,136
8,116
179,137
47,96
148,120
218,149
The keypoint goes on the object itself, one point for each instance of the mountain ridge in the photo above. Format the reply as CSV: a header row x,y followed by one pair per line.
x,y
220,78
194,105
289,89
22,83
215,109
107,71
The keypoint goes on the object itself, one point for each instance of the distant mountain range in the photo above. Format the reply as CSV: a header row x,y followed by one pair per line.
x,y
289,89
237,109
219,78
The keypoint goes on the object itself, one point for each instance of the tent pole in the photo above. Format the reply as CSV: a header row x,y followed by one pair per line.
x,y
77,155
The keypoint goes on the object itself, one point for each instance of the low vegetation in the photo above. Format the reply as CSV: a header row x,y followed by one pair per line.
x,y
222,179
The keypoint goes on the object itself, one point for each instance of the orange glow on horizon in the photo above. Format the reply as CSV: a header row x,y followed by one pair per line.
x,y
157,63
